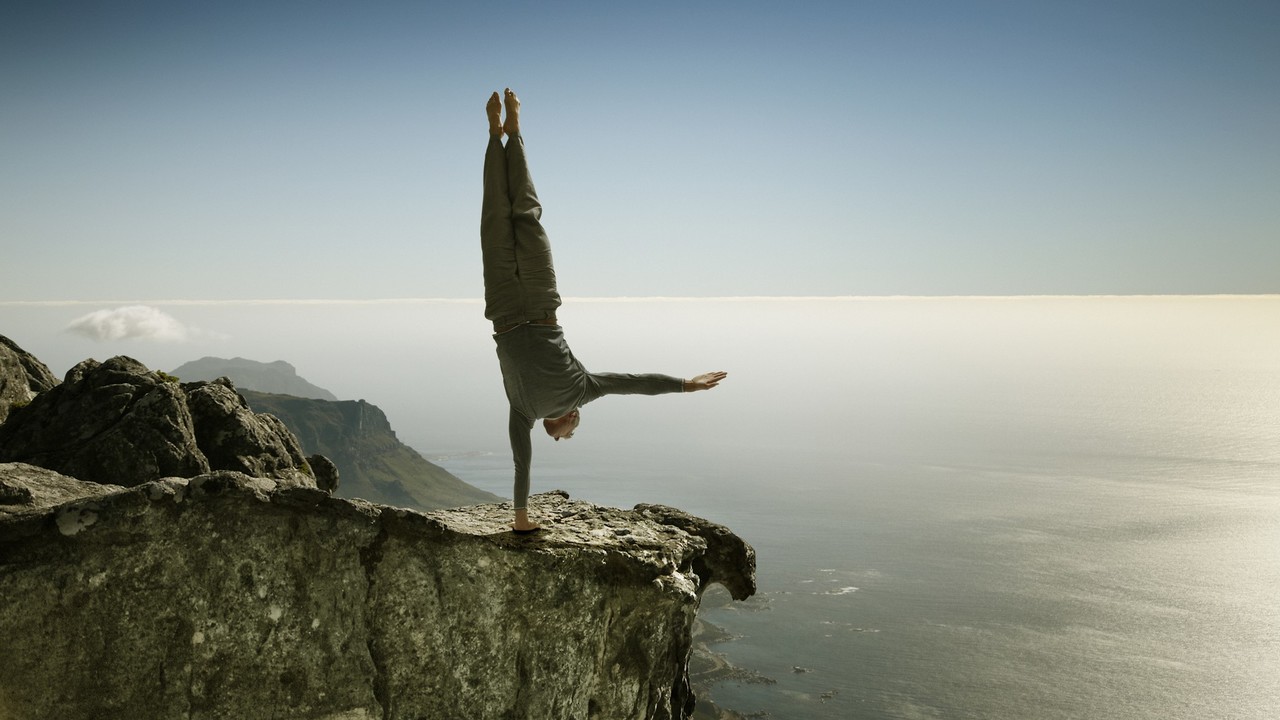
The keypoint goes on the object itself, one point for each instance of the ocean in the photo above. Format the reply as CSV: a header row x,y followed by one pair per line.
x,y
1019,509
996,508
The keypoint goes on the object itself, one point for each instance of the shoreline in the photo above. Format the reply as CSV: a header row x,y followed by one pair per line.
x,y
708,669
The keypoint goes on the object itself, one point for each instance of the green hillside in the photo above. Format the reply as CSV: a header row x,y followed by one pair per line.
x,y
372,463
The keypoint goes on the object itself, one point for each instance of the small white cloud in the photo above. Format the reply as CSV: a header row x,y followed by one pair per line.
x,y
133,321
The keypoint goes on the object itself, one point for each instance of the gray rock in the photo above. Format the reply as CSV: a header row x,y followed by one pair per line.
x,y
113,422
327,476
227,596
22,376
233,437
25,488
117,422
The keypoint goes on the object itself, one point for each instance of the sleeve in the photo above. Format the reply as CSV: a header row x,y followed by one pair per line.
x,y
625,384
519,427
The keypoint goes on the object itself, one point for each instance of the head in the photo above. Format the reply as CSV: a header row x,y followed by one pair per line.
x,y
563,426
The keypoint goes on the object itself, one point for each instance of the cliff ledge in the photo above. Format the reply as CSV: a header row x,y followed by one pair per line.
x,y
230,596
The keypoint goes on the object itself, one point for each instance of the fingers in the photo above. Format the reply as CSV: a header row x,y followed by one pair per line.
x,y
711,379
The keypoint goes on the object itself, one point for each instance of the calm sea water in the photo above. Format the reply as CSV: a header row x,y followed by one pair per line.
x,y
1007,509
1012,509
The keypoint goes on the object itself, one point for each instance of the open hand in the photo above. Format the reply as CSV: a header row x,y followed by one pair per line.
x,y
705,381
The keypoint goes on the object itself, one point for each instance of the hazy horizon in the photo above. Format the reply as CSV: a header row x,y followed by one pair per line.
x,y
430,364
1014,507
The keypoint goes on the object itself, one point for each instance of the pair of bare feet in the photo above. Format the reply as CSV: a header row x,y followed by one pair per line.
x,y
493,109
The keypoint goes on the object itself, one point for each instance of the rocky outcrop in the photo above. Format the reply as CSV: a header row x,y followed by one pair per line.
x,y
373,463
327,474
22,376
27,487
272,377
227,596
118,422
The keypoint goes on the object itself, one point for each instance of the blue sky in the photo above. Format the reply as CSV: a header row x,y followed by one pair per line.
x,y
332,150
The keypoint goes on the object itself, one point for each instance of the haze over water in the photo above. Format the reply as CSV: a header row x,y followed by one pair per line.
x,y
963,508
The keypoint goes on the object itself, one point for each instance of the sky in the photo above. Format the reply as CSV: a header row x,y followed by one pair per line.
x,y
294,150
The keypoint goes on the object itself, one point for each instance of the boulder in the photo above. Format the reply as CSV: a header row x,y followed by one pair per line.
x,y
25,488
326,472
228,596
233,437
22,376
117,422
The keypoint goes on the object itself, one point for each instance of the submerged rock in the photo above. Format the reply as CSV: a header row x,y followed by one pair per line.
x,y
228,596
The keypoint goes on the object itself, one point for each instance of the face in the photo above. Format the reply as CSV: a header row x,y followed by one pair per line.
x,y
563,426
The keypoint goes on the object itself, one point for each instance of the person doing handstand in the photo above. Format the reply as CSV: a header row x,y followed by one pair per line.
x,y
542,378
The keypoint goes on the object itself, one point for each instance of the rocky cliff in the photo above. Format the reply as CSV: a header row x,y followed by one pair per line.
x,y
227,596
242,590
374,465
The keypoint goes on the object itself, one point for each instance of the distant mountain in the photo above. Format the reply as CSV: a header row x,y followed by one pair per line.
x,y
273,377
372,462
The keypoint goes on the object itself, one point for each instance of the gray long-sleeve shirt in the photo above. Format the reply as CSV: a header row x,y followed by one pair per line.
x,y
544,380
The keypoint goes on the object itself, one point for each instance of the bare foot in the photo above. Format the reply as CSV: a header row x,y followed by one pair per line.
x,y
523,524
512,125
494,110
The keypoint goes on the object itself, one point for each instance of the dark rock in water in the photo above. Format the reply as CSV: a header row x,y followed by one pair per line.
x,y
273,377
117,422
374,464
22,376
227,596
327,475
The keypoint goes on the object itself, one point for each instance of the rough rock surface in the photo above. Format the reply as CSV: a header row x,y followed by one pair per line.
x,y
27,487
226,596
118,422
327,476
21,376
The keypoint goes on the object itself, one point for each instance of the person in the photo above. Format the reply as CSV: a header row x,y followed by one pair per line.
x,y
542,378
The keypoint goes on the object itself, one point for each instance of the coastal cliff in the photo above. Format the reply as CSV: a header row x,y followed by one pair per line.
x,y
228,596
200,568
374,465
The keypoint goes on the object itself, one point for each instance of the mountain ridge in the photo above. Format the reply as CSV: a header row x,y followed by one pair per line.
x,y
372,462
272,377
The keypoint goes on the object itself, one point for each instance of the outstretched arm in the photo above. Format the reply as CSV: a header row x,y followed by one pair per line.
x,y
705,381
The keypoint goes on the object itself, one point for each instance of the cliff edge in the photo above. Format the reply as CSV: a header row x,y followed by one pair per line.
x,y
230,596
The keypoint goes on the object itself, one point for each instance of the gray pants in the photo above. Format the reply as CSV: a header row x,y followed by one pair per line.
x,y
519,278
